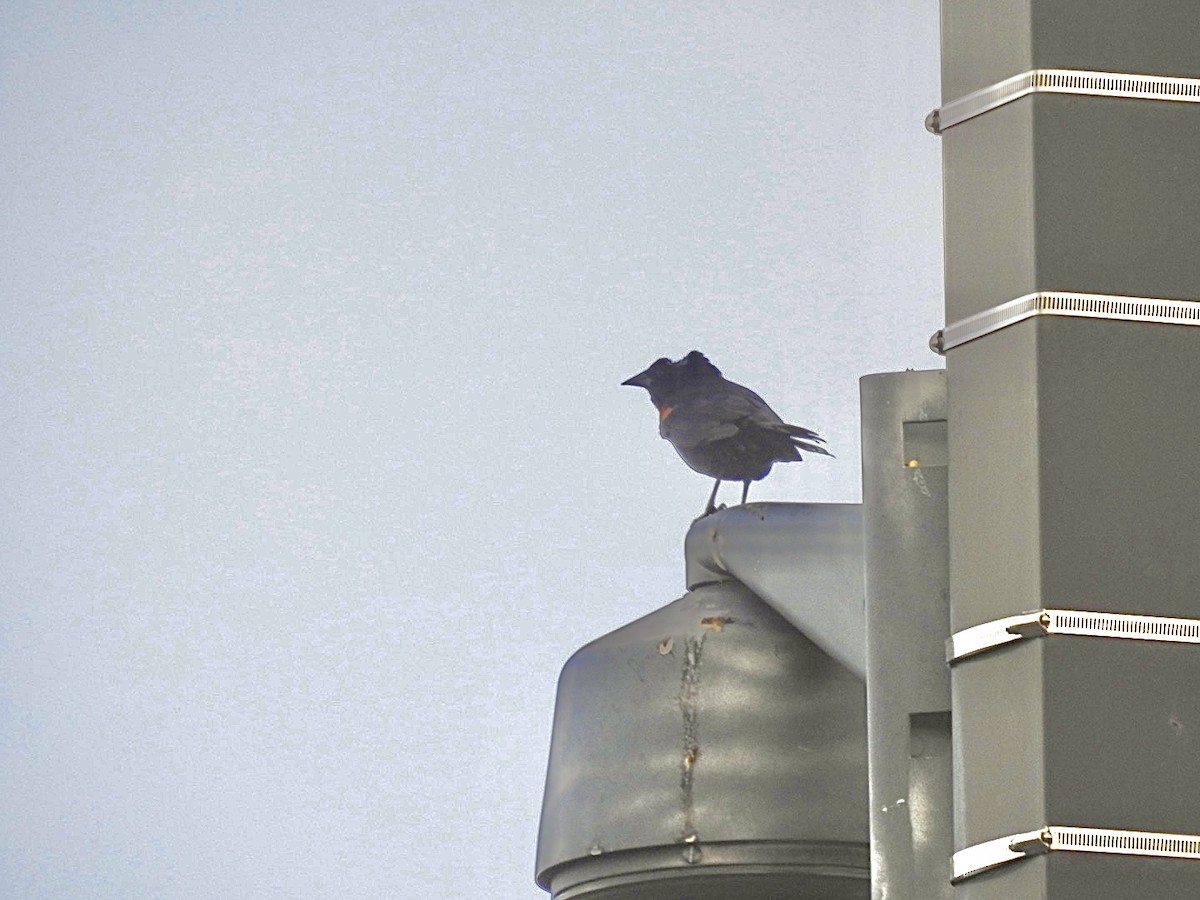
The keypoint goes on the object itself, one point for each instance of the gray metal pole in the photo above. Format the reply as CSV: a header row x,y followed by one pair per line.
x,y
1070,131
908,621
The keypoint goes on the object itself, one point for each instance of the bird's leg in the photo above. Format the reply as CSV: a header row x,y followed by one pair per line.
x,y
745,491
712,499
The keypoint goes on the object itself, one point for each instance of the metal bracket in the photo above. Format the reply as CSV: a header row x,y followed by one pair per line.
x,y
990,854
1039,623
1063,81
1114,307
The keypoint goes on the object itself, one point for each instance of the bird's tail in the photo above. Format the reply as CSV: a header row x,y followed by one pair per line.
x,y
806,439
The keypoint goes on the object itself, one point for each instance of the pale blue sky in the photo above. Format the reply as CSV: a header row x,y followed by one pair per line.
x,y
316,462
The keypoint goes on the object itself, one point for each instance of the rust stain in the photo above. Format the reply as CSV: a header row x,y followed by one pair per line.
x,y
689,706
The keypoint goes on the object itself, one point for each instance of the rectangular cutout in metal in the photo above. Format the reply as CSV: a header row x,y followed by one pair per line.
x,y
929,734
925,444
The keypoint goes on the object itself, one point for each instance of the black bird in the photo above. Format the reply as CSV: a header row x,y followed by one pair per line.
x,y
718,427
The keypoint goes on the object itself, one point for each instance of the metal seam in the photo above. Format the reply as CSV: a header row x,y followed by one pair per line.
x,y
1042,622
990,854
1063,81
1114,307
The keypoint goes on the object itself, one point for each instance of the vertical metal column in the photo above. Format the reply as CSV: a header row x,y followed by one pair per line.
x,y
908,621
1070,131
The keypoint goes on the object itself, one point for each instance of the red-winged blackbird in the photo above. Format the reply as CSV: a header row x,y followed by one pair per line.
x,y
720,428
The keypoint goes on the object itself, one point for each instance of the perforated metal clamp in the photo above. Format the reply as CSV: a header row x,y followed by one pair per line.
x,y
1063,81
1115,307
1039,623
990,854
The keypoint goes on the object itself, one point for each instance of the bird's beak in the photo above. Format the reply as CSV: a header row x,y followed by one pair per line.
x,y
638,380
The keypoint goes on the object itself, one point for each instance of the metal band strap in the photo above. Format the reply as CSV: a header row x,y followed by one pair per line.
x,y
1063,81
989,854
1039,623
1114,307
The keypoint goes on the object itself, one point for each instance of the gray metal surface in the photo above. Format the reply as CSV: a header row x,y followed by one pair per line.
x,y
908,620
1097,732
711,749
1109,180
804,559
1081,478
988,211
986,41
1074,476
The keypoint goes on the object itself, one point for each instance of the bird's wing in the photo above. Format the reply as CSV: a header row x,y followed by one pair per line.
x,y
687,431
716,417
